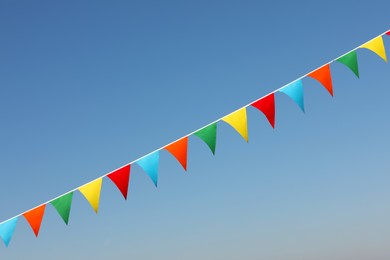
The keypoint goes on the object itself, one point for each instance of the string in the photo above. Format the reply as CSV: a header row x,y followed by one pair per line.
x,y
219,119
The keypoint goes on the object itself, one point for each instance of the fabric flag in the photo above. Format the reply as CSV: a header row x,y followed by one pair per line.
x,y
91,192
34,218
350,60
238,121
376,45
388,33
295,91
121,178
149,164
209,135
324,77
179,150
267,106
7,229
62,205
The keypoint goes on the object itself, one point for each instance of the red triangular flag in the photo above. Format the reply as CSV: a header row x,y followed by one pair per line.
x,y
324,77
121,178
34,218
267,106
179,150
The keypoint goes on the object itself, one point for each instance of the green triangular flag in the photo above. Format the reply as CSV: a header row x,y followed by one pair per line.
x,y
209,135
350,60
62,205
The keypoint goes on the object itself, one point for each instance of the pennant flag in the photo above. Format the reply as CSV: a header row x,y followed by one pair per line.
x,y
267,106
149,164
121,179
238,121
324,77
209,135
350,60
376,45
91,192
34,218
62,205
295,91
179,150
7,230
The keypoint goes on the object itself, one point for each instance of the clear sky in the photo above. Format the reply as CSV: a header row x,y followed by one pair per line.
x,y
88,86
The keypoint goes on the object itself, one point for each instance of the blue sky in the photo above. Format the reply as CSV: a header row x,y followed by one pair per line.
x,y
88,87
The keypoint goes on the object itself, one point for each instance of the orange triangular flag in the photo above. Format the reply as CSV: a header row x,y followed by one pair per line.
x,y
324,77
179,150
34,218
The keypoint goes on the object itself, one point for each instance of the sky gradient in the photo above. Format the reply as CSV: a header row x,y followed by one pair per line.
x,y
88,87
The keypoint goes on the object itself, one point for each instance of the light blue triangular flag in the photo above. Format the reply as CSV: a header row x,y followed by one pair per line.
x,y
295,91
149,164
7,230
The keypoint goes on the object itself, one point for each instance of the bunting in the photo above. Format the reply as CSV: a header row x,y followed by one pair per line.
x,y
323,76
376,45
34,218
209,135
121,178
179,149
91,192
62,205
295,91
267,106
7,229
149,164
238,121
350,60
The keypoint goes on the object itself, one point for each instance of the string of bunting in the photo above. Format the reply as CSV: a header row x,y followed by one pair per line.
x,y
179,148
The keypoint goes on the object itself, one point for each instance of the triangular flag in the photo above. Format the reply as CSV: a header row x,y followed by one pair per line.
x,y
62,205
238,121
121,178
267,106
179,150
350,60
295,91
376,45
7,229
209,135
324,77
34,218
149,164
91,192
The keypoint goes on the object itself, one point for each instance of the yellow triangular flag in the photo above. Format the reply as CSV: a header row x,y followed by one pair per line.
x,y
376,45
238,121
91,192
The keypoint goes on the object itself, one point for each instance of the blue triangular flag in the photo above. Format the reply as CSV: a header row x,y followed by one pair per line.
x,y
7,230
295,91
149,164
